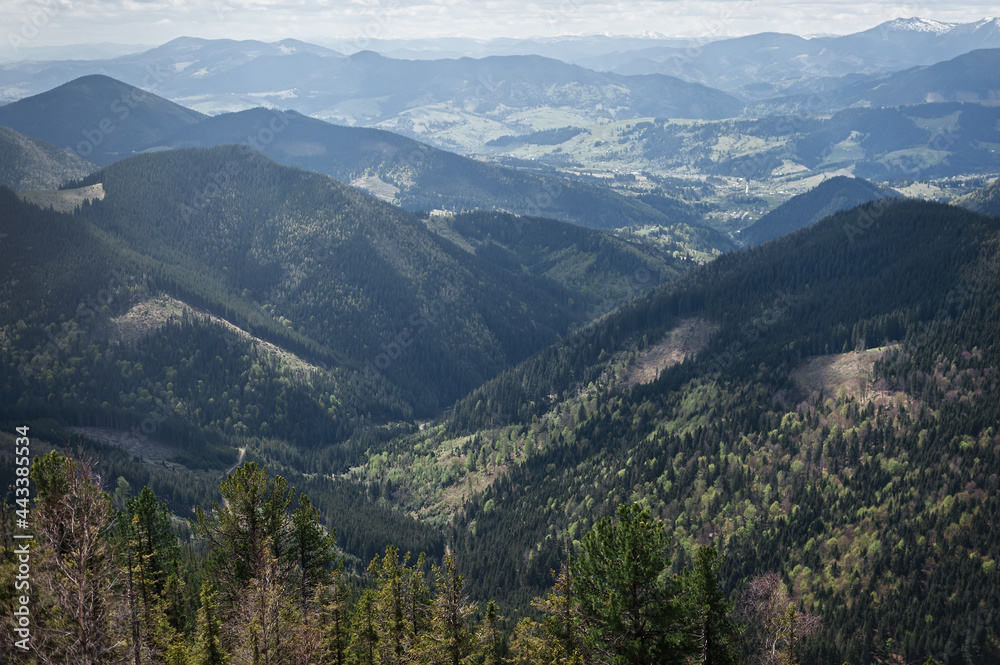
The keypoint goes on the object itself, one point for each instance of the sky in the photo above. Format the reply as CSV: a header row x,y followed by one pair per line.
x,y
37,23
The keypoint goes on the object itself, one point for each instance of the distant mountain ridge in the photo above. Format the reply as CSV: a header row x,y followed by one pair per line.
x,y
768,64
434,99
461,103
398,169
414,175
972,77
98,117
830,196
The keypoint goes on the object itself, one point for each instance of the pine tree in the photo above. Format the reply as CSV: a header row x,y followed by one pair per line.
x,y
312,548
390,605
449,640
562,608
364,634
530,645
418,602
208,641
334,617
148,548
628,605
250,533
75,562
491,638
156,541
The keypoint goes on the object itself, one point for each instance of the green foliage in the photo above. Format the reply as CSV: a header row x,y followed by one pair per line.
x,y
364,631
629,608
208,645
729,448
450,639
311,547
72,562
249,530
30,163
714,633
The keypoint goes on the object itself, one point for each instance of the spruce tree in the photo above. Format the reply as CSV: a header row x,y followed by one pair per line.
x,y
450,639
208,642
311,547
713,632
364,633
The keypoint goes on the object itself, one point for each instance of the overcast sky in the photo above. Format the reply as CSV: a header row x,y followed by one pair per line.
x,y
55,22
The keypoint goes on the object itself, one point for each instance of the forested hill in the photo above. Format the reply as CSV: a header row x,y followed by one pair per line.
x,y
415,175
838,429
349,310
105,120
830,196
97,118
985,200
30,163
322,269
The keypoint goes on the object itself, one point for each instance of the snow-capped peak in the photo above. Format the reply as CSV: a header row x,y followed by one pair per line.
x,y
986,24
917,25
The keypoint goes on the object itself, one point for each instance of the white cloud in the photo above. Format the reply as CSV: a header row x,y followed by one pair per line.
x,y
155,21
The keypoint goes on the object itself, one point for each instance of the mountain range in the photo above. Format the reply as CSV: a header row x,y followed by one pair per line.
x,y
460,103
488,96
302,261
769,64
484,359
919,141
970,77
107,120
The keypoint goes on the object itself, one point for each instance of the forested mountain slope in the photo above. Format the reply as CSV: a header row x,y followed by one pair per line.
x,y
97,118
29,163
106,120
350,310
415,175
838,429
830,196
985,200
969,77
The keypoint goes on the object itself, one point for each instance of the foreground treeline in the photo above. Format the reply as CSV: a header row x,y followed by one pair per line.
x,y
261,582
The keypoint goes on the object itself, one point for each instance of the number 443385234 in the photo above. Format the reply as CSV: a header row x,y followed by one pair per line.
x,y
22,460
